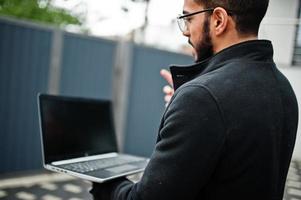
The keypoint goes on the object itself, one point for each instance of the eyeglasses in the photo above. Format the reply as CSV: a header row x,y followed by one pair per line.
x,y
183,22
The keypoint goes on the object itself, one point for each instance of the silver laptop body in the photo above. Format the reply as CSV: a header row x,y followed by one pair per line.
x,y
78,138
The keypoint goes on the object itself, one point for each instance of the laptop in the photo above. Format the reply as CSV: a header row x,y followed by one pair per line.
x,y
78,138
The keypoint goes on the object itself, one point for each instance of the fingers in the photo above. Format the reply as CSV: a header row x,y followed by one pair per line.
x,y
167,98
167,76
168,90
168,94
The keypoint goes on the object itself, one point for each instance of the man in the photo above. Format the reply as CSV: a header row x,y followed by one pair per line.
x,y
229,129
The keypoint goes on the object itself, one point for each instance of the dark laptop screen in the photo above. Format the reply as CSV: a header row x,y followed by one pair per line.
x,y
76,127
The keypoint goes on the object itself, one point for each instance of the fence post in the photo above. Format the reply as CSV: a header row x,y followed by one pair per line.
x,y
55,62
121,83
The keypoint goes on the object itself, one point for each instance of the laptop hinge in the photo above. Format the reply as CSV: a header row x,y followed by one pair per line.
x,y
87,158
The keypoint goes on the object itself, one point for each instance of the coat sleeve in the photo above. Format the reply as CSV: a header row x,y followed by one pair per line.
x,y
185,156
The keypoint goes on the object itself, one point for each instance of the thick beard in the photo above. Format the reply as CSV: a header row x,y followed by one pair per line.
x,y
204,49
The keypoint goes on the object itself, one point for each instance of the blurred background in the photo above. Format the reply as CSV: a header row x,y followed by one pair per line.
x,y
107,49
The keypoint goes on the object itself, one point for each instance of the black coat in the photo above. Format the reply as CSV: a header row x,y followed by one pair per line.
x,y
228,132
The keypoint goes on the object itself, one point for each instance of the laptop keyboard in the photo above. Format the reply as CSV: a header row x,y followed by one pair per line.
x,y
92,165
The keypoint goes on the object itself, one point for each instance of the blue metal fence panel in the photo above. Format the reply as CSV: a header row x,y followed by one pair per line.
x,y
86,70
24,65
87,66
146,104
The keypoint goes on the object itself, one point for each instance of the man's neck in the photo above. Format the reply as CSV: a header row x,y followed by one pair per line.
x,y
223,44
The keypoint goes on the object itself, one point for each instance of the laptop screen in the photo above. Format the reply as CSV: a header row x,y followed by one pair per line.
x,y
75,127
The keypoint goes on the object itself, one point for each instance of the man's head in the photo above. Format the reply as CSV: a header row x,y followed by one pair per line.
x,y
224,23
247,14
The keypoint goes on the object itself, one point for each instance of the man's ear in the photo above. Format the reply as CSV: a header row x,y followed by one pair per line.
x,y
220,20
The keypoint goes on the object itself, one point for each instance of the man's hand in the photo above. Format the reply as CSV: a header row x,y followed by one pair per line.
x,y
167,89
105,191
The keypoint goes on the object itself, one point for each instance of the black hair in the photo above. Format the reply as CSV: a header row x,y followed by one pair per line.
x,y
247,14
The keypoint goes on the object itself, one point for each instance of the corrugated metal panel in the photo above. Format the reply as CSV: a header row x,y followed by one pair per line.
x,y
146,104
86,70
87,66
24,65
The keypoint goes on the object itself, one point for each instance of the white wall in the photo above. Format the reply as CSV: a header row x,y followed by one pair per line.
x,y
279,26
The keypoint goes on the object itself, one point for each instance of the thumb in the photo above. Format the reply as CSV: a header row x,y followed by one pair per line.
x,y
167,76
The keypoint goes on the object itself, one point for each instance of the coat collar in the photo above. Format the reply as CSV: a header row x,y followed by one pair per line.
x,y
255,50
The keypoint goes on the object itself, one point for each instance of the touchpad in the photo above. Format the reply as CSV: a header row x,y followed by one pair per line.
x,y
122,168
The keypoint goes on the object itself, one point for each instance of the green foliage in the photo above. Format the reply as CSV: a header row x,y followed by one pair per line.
x,y
37,10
